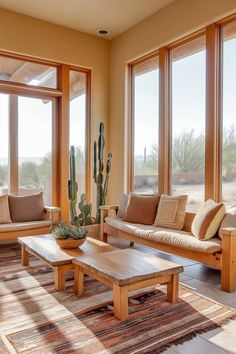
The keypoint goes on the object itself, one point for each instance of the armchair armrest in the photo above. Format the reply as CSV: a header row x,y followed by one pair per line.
x,y
52,209
108,207
230,231
54,213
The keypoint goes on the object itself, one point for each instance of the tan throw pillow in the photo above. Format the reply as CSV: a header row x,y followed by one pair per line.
x,y
171,212
229,220
141,209
4,210
27,208
123,204
208,219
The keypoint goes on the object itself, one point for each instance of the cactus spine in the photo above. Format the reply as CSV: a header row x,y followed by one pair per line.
x,y
72,188
98,170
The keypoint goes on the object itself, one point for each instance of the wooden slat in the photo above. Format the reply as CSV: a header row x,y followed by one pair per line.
x,y
213,114
164,123
64,143
13,144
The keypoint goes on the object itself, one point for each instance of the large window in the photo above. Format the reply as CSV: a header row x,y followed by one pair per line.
x,y
188,120
78,114
35,146
36,116
229,115
145,125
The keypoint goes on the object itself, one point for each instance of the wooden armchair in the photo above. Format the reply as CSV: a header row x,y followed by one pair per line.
x,y
30,228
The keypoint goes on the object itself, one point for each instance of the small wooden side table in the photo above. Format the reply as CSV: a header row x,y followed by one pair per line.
x,y
127,270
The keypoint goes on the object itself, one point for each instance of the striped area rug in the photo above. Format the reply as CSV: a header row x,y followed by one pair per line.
x,y
34,318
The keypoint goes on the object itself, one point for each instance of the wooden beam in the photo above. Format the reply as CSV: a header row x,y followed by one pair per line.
x,y
213,114
13,144
164,155
63,128
88,142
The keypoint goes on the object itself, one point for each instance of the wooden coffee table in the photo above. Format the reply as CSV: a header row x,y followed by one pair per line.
x,y
127,270
45,248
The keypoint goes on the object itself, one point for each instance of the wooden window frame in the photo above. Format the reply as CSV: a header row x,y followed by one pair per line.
x,y
213,134
60,127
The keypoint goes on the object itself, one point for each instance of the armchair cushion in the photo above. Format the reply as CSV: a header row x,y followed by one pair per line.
x,y
4,210
27,208
141,209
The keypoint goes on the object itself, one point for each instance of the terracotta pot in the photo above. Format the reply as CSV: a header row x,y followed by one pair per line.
x,y
70,243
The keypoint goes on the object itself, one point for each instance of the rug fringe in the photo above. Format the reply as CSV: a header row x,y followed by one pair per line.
x,y
188,337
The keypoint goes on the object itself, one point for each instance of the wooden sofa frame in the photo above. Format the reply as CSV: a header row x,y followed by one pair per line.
x,y
52,213
224,260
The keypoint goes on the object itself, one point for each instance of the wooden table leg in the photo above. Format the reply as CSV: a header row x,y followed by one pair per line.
x,y
79,281
173,289
121,306
59,278
24,256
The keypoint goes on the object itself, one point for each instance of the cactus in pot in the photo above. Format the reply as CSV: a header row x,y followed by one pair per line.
x,y
98,167
85,211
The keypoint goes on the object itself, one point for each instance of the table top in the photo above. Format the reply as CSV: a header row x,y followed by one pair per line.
x,y
46,248
127,266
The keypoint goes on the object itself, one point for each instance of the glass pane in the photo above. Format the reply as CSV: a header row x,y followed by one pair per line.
x,y
4,101
146,117
35,146
188,121
229,115
27,73
78,125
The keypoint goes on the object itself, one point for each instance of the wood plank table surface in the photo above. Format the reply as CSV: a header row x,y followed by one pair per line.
x,y
45,248
127,270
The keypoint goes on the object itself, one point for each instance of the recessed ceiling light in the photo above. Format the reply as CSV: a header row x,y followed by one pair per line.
x,y
103,31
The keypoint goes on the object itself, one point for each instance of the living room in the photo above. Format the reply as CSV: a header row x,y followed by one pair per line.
x,y
133,103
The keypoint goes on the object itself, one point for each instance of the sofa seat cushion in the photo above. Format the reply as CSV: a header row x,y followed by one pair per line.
x,y
19,226
181,239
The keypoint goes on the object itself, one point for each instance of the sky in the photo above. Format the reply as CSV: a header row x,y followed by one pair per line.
x,y
188,97
35,125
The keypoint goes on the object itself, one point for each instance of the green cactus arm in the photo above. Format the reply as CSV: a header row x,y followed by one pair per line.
x,y
95,161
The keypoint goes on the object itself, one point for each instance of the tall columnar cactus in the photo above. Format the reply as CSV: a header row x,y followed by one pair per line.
x,y
72,188
102,188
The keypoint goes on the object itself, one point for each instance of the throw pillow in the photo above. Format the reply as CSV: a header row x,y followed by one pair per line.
x,y
141,209
207,220
5,217
229,220
123,204
171,212
27,208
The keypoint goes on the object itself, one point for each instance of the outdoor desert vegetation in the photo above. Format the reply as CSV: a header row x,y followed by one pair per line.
x,y
188,151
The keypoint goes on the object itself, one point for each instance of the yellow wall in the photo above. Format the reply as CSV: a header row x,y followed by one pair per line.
x,y
30,36
172,22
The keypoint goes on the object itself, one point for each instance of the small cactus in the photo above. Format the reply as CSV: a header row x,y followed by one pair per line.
x,y
85,211
102,189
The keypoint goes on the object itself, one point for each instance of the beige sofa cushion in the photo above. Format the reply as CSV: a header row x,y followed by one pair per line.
x,y
27,208
19,226
141,209
228,221
208,219
4,210
122,205
181,239
171,212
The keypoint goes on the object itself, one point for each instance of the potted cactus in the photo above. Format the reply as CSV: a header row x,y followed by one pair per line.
x,y
80,213
98,167
69,236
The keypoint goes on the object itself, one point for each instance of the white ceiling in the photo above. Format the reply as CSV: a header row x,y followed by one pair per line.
x,y
88,15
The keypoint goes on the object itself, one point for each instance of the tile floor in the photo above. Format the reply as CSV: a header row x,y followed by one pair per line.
x,y
205,281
